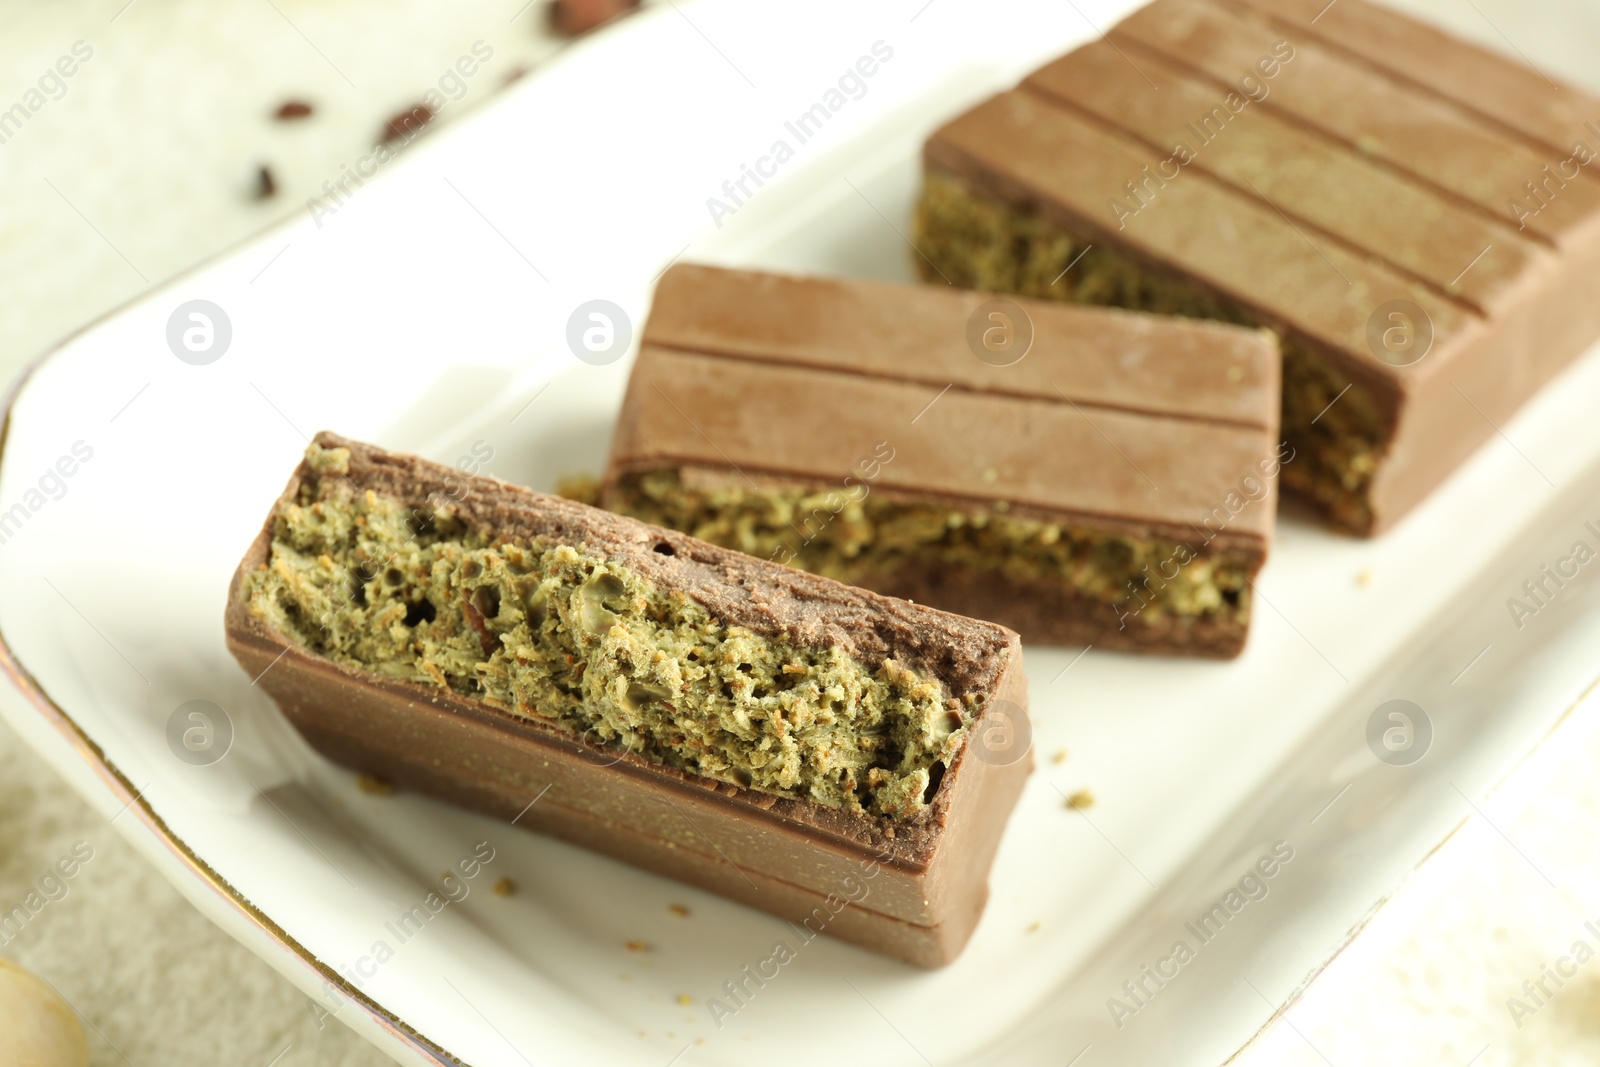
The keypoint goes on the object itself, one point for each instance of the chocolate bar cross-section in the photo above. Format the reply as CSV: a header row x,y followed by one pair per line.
x,y
1083,476
837,758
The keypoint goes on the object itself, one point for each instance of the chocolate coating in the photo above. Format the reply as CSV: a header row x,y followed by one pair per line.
x,y
1114,422
931,870
1381,161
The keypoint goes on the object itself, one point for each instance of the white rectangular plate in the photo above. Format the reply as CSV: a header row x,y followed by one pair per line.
x,y
429,313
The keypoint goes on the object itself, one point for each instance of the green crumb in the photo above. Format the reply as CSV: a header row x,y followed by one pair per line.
x,y
374,786
584,488
857,539
980,242
1081,800
559,633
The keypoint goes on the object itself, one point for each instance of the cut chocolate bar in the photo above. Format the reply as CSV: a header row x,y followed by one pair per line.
x,y
837,758
1108,482
1415,217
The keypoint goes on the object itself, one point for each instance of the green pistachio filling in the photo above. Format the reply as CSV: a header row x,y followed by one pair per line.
x,y
854,537
980,242
559,633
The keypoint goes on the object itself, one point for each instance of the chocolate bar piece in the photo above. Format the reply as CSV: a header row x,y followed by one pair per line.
x,y
834,757
1417,219
1106,480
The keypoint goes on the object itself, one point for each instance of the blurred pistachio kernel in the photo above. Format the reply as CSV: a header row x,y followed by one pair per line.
x,y
37,1027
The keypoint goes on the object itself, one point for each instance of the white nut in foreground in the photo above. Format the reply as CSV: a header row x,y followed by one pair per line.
x,y
40,1030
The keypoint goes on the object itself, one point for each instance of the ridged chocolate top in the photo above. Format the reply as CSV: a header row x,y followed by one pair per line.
x,y
1342,179
1145,423
1515,96
1348,176
1118,360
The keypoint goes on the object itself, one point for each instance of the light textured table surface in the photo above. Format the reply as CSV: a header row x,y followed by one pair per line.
x,y
1442,980
145,165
